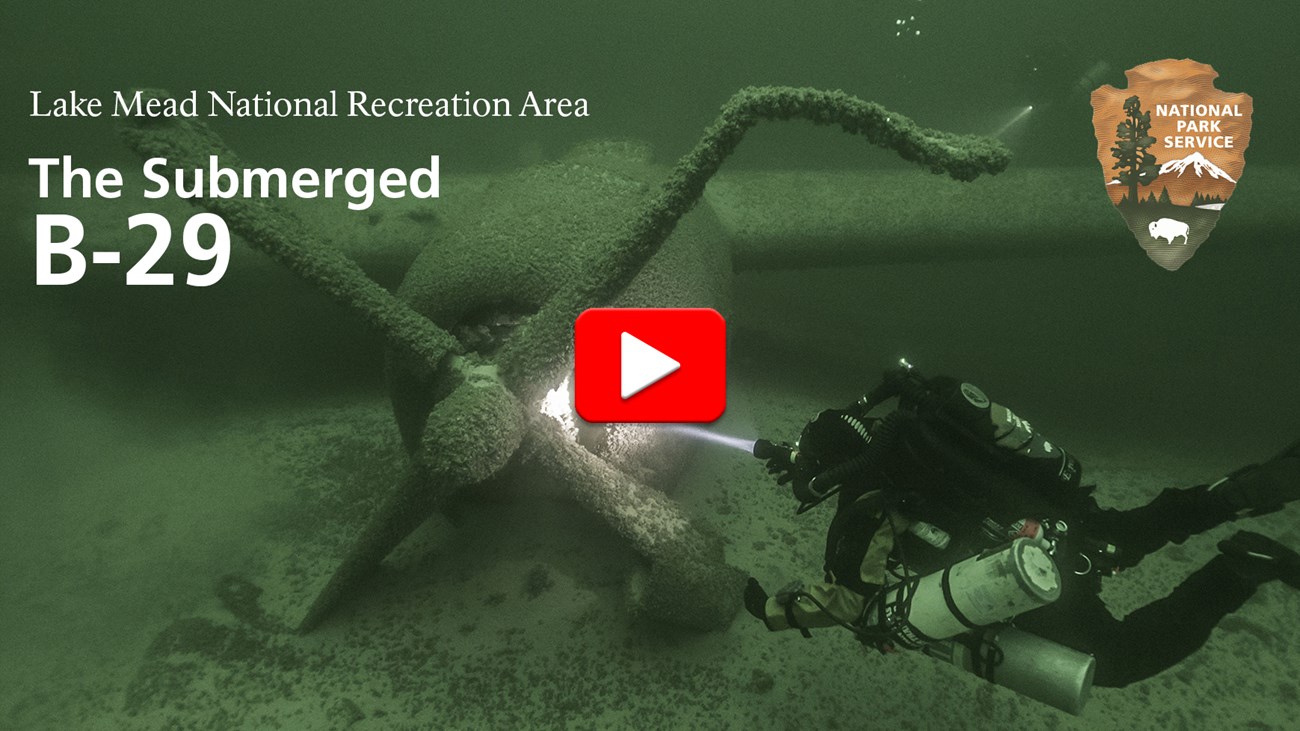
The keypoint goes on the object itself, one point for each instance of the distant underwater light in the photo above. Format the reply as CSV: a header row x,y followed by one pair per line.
x,y
1014,120
695,432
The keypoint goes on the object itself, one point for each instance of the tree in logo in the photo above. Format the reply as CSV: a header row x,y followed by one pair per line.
x,y
1135,164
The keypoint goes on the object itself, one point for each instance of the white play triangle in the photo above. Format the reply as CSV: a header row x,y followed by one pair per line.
x,y
641,365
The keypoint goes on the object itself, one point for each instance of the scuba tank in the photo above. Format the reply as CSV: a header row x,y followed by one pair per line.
x,y
961,615
1022,662
958,414
946,609
941,420
984,589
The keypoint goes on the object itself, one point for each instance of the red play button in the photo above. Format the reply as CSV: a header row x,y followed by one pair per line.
x,y
650,364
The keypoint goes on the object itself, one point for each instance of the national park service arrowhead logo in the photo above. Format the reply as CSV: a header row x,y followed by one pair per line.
x,y
1172,148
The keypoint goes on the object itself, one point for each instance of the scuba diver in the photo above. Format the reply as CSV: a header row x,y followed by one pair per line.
x,y
963,532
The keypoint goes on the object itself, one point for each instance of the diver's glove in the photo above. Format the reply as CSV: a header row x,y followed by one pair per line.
x,y
782,461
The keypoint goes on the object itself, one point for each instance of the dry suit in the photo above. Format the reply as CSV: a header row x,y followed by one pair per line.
x,y
948,495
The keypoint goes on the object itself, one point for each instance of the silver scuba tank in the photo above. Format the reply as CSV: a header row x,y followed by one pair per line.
x,y
982,590
990,589
1025,663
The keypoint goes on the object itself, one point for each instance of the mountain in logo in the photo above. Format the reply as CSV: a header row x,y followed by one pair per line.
x,y
1198,163
1194,180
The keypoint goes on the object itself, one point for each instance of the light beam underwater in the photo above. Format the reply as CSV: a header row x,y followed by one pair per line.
x,y
1014,120
695,432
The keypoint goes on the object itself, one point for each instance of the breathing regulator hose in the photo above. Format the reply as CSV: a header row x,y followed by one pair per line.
x,y
811,492
813,480
879,441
